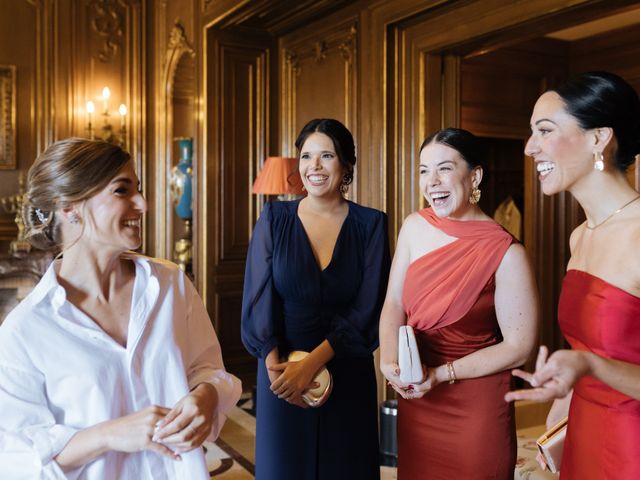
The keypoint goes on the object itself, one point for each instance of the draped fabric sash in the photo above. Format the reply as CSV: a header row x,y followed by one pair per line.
x,y
441,286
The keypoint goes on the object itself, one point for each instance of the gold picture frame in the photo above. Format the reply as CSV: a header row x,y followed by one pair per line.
x,y
8,145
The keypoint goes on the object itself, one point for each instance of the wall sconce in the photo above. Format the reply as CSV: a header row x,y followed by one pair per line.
x,y
106,130
279,176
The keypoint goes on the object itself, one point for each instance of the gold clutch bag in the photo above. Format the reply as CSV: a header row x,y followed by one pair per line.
x,y
551,444
314,397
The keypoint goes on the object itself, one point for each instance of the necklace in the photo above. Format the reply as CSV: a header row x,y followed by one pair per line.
x,y
617,211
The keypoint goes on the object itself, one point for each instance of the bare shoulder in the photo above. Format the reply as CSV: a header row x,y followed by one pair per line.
x,y
514,258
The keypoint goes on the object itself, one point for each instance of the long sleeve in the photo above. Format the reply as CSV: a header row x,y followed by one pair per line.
x,y
206,361
29,435
260,301
355,331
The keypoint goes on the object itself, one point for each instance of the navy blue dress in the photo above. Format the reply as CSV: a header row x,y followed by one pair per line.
x,y
290,303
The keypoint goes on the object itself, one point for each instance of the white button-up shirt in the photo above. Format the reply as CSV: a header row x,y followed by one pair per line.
x,y
61,373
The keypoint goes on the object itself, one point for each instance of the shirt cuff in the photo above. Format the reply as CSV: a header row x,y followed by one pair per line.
x,y
49,442
229,389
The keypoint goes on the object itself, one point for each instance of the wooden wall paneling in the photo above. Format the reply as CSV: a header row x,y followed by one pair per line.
x,y
25,28
236,144
319,80
377,70
399,165
438,31
500,88
102,43
616,51
178,49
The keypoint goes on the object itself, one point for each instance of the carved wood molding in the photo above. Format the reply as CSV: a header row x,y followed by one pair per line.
x,y
292,61
106,21
178,46
348,47
303,50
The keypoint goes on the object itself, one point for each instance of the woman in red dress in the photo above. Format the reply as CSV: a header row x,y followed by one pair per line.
x,y
465,286
584,136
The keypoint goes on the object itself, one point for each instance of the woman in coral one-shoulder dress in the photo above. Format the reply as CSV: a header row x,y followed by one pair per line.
x,y
585,135
466,287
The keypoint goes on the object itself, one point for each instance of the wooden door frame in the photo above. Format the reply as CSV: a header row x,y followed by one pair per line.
x,y
423,64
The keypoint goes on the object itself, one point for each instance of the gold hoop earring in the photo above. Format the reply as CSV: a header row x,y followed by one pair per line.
x,y
474,198
346,181
598,161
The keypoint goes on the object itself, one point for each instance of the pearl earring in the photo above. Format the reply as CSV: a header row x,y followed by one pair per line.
x,y
598,161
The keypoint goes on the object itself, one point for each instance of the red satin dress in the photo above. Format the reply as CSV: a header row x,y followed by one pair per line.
x,y
463,430
603,436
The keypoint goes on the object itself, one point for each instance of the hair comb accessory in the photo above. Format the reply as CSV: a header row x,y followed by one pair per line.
x,y
42,218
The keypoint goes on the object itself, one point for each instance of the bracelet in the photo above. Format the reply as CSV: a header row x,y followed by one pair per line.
x,y
452,373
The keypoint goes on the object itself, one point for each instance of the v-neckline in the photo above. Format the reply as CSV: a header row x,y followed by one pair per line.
x,y
92,323
335,245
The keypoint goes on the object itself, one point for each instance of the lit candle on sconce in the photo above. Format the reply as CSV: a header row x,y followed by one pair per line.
x,y
107,131
123,113
106,93
90,109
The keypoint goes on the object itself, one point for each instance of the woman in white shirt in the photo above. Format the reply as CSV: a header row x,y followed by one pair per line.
x,y
110,368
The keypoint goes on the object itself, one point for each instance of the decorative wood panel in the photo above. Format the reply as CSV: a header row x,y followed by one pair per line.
x,y
178,51
437,32
237,123
92,44
319,80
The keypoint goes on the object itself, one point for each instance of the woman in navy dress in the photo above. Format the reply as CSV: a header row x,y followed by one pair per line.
x,y
315,281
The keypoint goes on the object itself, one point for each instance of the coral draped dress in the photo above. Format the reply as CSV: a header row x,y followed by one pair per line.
x,y
603,436
463,430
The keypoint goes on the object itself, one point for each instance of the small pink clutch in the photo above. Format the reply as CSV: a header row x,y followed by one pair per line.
x,y
551,444
315,397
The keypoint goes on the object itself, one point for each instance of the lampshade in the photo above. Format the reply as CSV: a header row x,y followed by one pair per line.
x,y
279,176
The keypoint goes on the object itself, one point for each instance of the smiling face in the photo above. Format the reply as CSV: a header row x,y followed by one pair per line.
x,y
112,216
320,167
446,181
562,151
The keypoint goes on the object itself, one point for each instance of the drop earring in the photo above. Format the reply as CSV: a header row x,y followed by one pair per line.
x,y
598,161
74,218
474,198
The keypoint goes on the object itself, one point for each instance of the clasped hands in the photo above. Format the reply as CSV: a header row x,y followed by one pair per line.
x,y
168,432
289,380
431,378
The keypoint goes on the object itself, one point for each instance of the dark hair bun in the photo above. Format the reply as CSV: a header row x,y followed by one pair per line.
x,y
603,99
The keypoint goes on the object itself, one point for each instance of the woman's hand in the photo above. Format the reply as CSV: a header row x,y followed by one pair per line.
x,y
292,381
135,432
554,377
187,425
433,377
408,391
391,372
271,360
130,433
